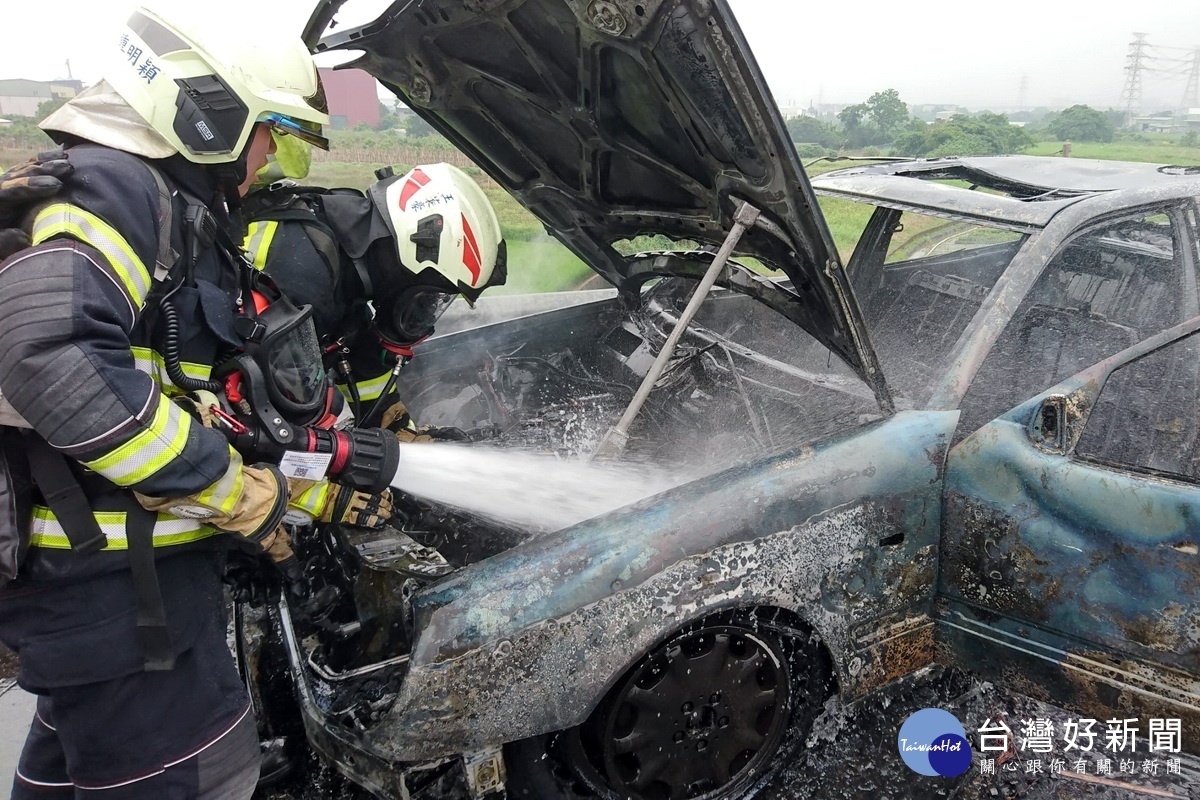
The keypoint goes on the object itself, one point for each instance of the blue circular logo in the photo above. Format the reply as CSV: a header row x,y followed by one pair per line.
x,y
932,742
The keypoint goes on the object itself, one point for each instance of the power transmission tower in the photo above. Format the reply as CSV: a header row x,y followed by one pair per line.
x,y
1135,63
1191,95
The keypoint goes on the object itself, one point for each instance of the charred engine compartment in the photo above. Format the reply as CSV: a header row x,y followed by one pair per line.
x,y
744,382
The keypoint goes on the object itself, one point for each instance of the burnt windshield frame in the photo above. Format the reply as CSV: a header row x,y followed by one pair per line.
x,y
870,261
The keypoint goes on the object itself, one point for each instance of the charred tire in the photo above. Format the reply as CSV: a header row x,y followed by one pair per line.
x,y
709,714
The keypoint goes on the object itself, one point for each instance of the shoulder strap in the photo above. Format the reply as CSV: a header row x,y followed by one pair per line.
x,y
64,495
166,257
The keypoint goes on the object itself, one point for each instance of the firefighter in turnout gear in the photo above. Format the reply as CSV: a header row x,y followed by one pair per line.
x,y
127,298
379,267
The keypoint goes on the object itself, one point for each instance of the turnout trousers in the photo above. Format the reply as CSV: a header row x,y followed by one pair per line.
x,y
106,728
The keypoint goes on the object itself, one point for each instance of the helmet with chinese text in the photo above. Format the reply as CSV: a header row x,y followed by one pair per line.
x,y
445,242
203,87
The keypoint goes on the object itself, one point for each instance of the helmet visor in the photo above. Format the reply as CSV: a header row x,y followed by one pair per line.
x,y
417,310
303,130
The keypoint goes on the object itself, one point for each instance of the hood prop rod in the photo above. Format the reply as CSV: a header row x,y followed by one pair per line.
x,y
617,437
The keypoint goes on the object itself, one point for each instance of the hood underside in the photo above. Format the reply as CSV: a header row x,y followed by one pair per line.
x,y
614,119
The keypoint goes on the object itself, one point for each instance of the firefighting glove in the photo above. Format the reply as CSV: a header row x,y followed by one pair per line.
x,y
397,420
200,406
329,502
23,187
254,515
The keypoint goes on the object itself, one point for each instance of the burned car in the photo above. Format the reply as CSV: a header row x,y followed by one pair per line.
x,y
973,443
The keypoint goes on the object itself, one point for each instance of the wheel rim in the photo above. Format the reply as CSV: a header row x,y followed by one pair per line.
x,y
696,717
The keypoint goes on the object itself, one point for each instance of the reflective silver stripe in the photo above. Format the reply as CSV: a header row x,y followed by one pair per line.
x,y
259,236
64,219
149,450
369,389
47,531
225,493
312,501
154,365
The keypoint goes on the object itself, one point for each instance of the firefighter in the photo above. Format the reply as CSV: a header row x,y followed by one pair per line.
x,y
116,612
379,267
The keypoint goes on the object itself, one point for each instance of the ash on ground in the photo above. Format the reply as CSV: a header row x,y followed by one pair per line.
x,y
851,755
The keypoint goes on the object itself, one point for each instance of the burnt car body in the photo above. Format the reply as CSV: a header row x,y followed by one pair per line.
x,y
975,443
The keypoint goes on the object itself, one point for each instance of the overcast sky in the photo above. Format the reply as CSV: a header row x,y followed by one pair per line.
x,y
932,51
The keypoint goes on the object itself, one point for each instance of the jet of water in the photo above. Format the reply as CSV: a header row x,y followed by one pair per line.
x,y
522,488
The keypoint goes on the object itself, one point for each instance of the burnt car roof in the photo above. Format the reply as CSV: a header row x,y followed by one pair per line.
x,y
1017,191
609,120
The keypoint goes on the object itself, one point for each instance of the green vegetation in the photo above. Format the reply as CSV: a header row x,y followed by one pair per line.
x,y
807,131
1080,123
1124,149
542,265
877,121
961,135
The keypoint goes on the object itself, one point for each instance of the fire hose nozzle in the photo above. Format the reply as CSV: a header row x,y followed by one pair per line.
x,y
362,458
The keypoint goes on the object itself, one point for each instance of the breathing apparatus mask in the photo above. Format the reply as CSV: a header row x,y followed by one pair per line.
x,y
282,342
282,399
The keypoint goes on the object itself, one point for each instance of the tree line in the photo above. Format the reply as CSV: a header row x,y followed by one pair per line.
x,y
884,120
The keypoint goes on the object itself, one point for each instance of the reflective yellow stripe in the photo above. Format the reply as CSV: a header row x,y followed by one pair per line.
x,y
154,365
259,236
224,494
369,389
64,219
148,451
312,501
169,530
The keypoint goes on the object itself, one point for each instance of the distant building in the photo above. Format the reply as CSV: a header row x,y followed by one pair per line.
x,y
20,97
1181,121
934,112
352,96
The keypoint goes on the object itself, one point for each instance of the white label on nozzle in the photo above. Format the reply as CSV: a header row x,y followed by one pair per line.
x,y
306,466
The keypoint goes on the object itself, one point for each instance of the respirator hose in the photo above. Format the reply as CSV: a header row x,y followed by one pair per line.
x,y
171,357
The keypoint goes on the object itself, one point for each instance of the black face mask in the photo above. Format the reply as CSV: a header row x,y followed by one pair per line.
x,y
411,316
289,356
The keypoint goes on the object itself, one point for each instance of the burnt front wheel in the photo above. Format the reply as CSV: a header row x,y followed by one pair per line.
x,y
705,715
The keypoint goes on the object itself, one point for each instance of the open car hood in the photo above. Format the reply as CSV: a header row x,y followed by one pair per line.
x,y
609,119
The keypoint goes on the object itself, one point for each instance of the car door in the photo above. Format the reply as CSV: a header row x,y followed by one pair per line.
x,y
1069,561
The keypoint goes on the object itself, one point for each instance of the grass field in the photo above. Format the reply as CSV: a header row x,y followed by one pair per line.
x,y
1152,151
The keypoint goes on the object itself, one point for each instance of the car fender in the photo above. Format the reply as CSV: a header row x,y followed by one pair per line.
x,y
843,533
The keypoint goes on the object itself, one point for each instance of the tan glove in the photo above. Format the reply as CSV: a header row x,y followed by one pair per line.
x,y
330,502
278,545
397,420
200,406
254,514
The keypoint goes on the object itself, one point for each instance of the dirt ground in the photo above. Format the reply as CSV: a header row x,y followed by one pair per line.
x,y
850,755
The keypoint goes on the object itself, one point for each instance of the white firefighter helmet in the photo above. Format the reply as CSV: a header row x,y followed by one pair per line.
x,y
205,92
447,242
